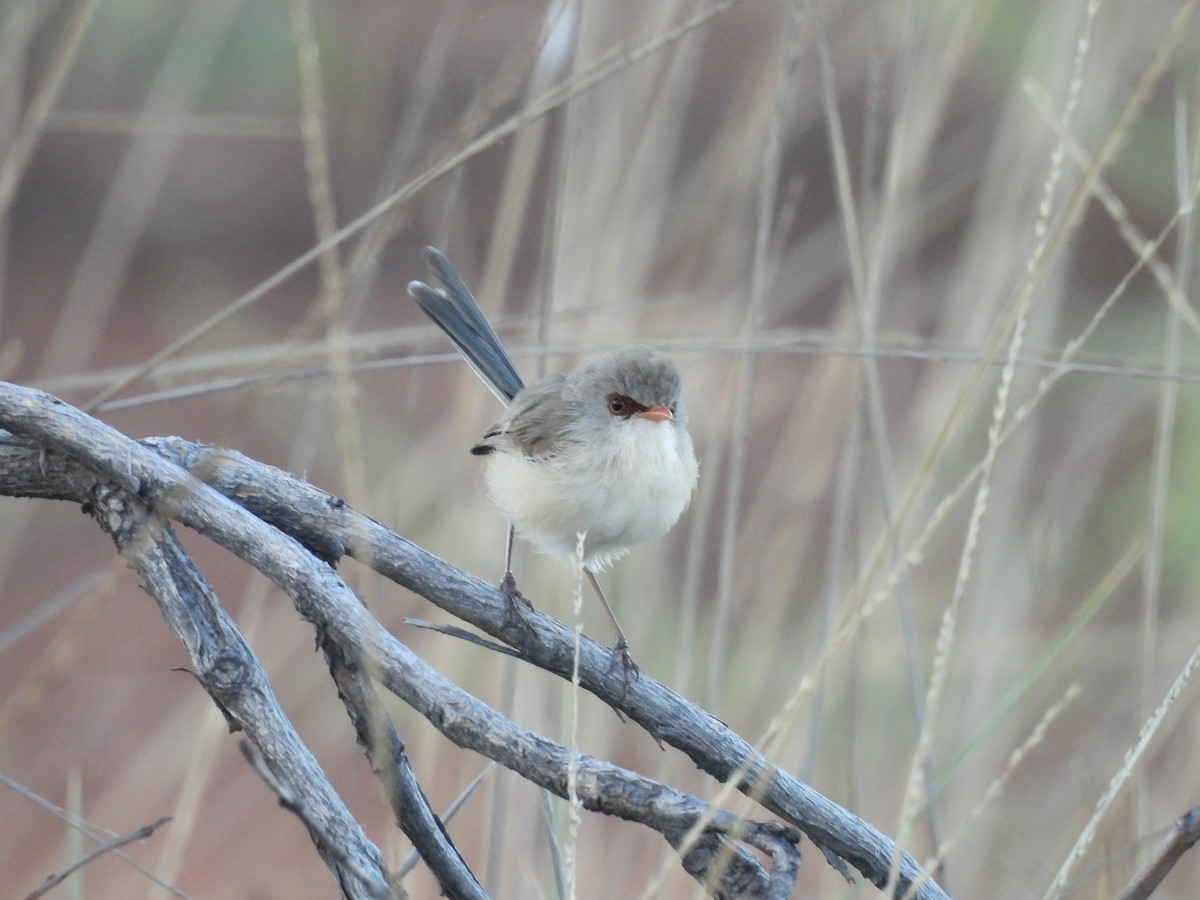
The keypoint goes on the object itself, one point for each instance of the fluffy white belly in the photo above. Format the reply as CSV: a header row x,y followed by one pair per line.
x,y
630,491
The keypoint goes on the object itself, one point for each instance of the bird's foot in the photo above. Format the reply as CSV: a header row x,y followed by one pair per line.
x,y
508,587
517,602
620,653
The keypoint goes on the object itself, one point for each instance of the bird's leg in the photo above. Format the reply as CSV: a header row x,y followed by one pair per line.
x,y
508,584
621,647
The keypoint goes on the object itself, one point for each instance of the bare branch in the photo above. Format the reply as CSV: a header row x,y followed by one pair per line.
x,y
293,802
92,832
389,761
463,635
233,677
1182,837
175,482
414,857
60,876
323,522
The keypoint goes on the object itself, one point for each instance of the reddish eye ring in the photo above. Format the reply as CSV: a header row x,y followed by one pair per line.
x,y
616,404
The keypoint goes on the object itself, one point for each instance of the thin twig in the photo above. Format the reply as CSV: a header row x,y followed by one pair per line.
x,y
1181,839
463,635
92,831
389,761
60,876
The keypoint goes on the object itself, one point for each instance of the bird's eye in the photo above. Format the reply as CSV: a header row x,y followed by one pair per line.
x,y
616,404
671,407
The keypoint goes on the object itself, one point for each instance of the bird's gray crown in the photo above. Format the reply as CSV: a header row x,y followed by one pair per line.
x,y
642,374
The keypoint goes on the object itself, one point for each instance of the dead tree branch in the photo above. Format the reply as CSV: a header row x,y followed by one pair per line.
x,y
290,531
54,880
1179,840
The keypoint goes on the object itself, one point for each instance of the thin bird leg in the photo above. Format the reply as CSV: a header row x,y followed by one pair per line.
x,y
621,647
508,584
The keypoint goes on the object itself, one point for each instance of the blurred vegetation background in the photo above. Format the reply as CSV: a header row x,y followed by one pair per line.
x,y
875,239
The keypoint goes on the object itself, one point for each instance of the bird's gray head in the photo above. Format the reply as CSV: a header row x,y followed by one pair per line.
x,y
626,382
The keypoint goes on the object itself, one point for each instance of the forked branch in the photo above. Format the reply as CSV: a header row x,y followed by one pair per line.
x,y
293,532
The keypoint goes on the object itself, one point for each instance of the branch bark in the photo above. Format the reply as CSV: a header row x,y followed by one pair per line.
x,y
1179,840
223,662
278,524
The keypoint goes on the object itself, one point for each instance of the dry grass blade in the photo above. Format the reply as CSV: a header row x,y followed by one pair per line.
x,y
1132,757
1036,737
549,101
18,152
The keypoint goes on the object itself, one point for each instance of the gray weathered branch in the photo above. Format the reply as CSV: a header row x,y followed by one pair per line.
x,y
1184,835
195,485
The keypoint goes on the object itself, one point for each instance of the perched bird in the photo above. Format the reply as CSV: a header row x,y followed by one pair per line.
x,y
603,450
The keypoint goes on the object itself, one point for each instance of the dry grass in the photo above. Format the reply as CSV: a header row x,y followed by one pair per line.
x,y
927,268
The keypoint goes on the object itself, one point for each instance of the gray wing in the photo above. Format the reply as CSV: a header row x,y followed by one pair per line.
x,y
536,422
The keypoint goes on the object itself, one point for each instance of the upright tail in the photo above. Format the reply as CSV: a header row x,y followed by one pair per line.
x,y
455,311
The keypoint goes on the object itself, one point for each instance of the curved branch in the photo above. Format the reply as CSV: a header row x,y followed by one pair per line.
x,y
227,668
180,488
389,761
327,525
1184,835
76,441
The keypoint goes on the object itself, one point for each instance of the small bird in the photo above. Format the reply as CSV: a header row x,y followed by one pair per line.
x,y
603,450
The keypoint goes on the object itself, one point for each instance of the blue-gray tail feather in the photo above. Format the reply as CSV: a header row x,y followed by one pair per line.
x,y
455,311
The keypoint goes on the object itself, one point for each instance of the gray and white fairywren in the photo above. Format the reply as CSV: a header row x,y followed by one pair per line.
x,y
602,451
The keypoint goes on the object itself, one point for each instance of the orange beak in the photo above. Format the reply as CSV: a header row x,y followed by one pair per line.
x,y
657,413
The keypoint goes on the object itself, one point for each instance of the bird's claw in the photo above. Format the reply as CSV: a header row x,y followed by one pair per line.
x,y
517,602
508,587
620,652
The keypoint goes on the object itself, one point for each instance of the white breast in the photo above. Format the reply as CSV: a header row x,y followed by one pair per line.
x,y
630,490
